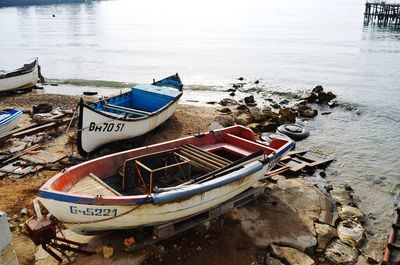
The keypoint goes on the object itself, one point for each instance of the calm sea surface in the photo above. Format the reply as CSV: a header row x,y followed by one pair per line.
x,y
287,44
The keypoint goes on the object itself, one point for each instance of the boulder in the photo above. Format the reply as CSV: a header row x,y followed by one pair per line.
x,y
288,115
275,105
242,107
350,212
269,114
341,195
284,102
225,110
228,102
244,119
249,100
258,114
318,89
255,127
272,261
267,126
215,126
292,255
308,113
225,120
339,252
312,98
325,234
351,232
289,220
325,97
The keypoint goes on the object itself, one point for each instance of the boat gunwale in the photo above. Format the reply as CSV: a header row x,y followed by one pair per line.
x,y
26,69
16,113
104,113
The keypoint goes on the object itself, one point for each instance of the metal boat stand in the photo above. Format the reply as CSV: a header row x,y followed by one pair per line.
x,y
163,231
43,232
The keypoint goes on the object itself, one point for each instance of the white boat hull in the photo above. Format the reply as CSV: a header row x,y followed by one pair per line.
x,y
98,129
26,80
78,217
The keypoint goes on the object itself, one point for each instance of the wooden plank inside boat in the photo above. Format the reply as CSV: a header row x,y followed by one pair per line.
x,y
92,185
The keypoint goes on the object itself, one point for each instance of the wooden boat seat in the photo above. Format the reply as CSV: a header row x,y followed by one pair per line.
x,y
93,185
203,158
127,110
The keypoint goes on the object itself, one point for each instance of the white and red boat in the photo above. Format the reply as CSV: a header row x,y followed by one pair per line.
x,y
160,183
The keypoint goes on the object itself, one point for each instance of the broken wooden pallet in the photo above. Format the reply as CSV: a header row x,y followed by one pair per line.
x,y
297,161
18,169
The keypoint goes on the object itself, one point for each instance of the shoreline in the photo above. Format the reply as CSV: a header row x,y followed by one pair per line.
x,y
187,120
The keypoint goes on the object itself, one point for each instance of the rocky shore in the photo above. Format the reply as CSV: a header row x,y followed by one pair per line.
x,y
302,220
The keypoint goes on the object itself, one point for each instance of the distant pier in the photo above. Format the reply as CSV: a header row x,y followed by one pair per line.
x,y
382,13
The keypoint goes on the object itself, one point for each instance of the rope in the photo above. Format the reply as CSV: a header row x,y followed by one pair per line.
x,y
72,119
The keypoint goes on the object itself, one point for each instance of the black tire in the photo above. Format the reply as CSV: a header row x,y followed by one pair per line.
x,y
294,131
42,108
90,93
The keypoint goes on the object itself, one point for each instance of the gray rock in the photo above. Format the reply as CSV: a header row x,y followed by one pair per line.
x,y
325,234
225,110
288,115
292,255
289,220
318,89
215,126
249,100
258,114
225,120
273,261
268,126
339,252
275,105
308,113
228,102
242,107
341,195
244,119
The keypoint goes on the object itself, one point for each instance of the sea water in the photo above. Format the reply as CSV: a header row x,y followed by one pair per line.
x,y
288,45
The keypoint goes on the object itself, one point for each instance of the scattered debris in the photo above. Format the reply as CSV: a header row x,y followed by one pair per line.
x,y
108,252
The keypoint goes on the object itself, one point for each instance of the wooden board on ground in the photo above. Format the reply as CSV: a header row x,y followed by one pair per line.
x,y
296,161
44,157
18,169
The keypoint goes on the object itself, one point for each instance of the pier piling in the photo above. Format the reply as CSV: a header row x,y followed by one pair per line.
x,y
382,13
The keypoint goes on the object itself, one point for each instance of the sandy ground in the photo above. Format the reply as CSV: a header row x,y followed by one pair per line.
x,y
16,194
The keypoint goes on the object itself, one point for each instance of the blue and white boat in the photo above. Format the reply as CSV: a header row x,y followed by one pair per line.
x,y
127,115
9,120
